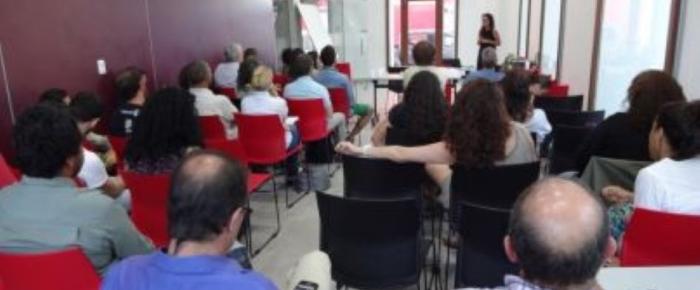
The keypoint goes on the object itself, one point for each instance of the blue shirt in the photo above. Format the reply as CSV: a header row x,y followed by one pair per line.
x,y
331,78
307,88
489,74
160,271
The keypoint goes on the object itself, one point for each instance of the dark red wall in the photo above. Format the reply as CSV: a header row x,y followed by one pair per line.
x,y
57,43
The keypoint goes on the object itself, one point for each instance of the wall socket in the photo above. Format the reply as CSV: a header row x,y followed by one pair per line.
x,y
101,67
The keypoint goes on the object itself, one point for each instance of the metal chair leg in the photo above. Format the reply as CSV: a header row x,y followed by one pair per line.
x,y
279,224
304,194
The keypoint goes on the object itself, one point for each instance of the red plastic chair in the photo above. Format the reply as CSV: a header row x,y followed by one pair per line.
x,y
229,92
119,147
7,177
449,90
656,238
341,103
212,127
280,81
558,90
344,68
313,123
149,204
67,269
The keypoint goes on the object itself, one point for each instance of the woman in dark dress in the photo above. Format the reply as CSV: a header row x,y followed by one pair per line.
x,y
488,36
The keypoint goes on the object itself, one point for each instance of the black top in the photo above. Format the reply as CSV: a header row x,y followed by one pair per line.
x,y
488,35
618,138
400,132
123,119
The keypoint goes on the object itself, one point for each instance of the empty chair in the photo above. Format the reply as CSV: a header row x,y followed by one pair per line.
x,y
380,179
149,205
212,127
339,98
575,118
497,186
372,244
67,269
570,103
481,260
566,142
656,238
6,175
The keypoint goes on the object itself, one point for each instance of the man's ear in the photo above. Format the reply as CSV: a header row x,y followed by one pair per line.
x,y
510,249
610,248
236,220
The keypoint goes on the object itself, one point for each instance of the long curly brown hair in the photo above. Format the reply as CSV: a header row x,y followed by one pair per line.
x,y
479,126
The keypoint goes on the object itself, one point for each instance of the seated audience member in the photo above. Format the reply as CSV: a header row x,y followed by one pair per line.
x,y
206,210
245,75
287,58
479,133
250,53
488,72
226,73
164,133
519,101
625,135
87,110
558,234
55,95
424,59
420,118
131,89
304,87
196,77
45,210
331,78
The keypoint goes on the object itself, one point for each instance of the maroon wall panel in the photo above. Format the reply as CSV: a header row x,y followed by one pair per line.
x,y
5,118
184,30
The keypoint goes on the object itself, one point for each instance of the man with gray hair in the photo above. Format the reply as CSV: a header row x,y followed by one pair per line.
x,y
226,73
488,72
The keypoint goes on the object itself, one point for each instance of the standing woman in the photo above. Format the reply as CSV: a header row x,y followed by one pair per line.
x,y
488,36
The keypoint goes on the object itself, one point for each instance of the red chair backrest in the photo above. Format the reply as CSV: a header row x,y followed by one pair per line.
x,y
149,204
212,127
280,81
67,269
339,98
119,147
656,238
558,90
229,92
312,118
7,177
449,88
263,138
233,148
344,68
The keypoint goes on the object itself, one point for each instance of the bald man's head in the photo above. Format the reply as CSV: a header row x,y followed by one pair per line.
x,y
559,232
206,189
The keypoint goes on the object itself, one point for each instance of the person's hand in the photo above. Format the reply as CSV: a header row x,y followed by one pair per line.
x,y
617,195
348,148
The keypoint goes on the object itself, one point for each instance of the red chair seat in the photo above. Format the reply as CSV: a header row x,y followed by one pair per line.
x,y
67,269
257,180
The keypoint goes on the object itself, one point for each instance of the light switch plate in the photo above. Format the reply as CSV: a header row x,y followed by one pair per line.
x,y
101,67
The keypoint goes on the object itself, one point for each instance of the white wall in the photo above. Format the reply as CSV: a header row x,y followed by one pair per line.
x,y
506,17
535,29
687,57
577,51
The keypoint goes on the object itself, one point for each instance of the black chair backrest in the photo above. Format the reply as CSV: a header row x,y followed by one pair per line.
x,y
570,103
481,260
566,143
371,243
380,179
497,186
575,118
452,62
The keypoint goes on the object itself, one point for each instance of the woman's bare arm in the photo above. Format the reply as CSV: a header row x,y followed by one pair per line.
x,y
379,133
435,153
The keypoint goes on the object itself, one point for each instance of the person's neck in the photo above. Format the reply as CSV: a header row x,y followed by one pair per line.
x,y
201,86
138,100
189,248
588,285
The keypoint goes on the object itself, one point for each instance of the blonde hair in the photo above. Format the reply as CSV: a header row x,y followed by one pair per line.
x,y
262,80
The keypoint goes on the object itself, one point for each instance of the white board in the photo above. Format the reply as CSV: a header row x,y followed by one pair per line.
x,y
315,25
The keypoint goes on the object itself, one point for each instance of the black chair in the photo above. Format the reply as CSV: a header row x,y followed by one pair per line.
x,y
372,243
570,103
481,259
575,118
566,143
380,179
497,186
452,62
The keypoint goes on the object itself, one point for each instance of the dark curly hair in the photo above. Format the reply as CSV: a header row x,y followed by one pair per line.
x,y
245,72
44,137
681,125
55,95
479,126
166,126
649,91
516,88
426,108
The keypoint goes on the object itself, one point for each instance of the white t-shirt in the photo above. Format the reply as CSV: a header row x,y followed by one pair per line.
x,y
262,103
93,172
669,186
539,124
209,104
226,74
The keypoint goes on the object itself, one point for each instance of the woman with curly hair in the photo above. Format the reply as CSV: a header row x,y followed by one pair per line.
x,y
479,134
419,119
165,131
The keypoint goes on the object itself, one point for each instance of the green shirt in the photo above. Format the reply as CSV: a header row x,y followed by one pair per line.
x,y
39,214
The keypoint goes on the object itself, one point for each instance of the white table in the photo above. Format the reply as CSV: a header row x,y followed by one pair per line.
x,y
650,278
